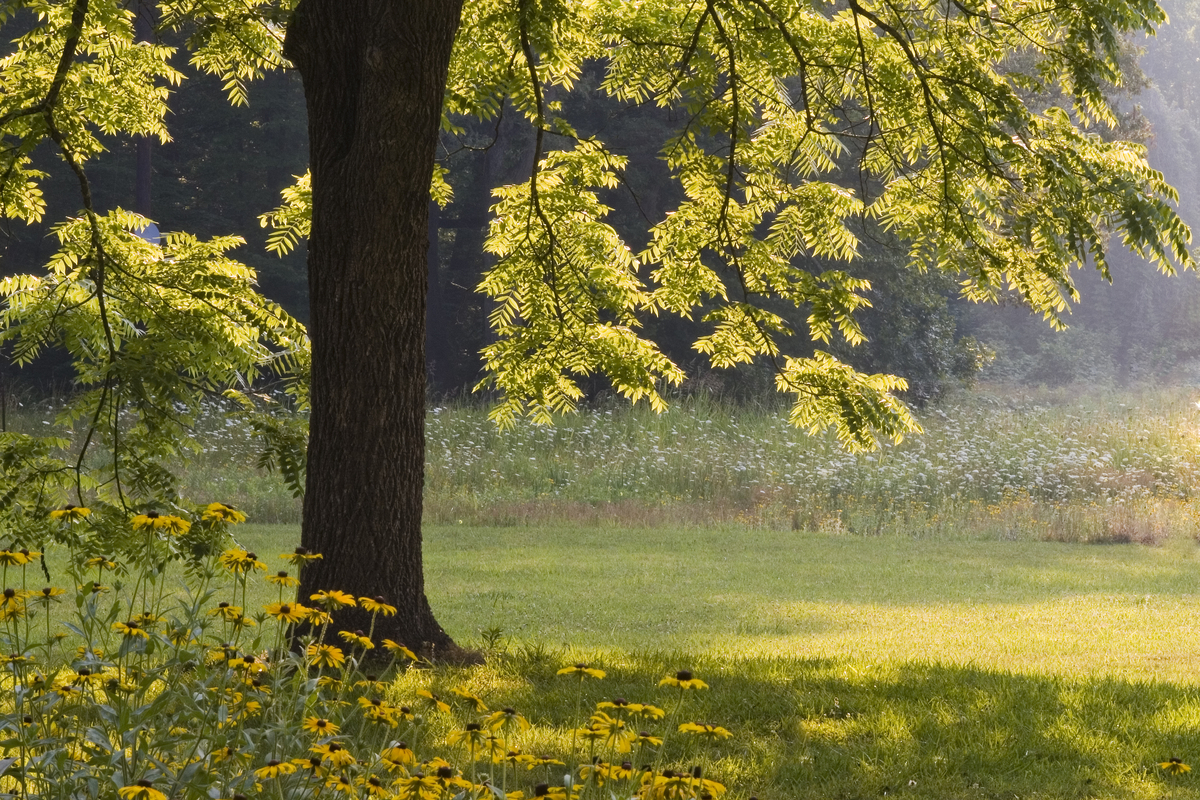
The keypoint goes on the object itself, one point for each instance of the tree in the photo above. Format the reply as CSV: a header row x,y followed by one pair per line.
x,y
799,123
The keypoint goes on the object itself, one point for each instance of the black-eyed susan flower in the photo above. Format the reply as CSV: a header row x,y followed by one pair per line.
x,y
582,671
399,649
130,629
300,556
326,655
168,523
142,790
471,701
397,756
48,593
506,719
433,700
613,731
596,771
494,748
705,730
220,512
372,786
340,784
319,726
281,578
287,612
15,558
472,737
356,639
312,765
621,772
376,605
70,514
240,561
683,679
332,599
647,739
100,563
338,756
418,786
1175,766
645,710
275,769
225,611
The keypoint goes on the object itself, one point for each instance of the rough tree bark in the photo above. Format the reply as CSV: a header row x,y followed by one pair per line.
x,y
374,75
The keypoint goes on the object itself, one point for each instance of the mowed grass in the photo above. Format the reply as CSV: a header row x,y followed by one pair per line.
x,y
1038,607
846,667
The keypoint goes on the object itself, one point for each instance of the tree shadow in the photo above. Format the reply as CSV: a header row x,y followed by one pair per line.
x,y
835,728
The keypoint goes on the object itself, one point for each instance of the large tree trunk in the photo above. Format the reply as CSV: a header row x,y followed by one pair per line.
x,y
374,74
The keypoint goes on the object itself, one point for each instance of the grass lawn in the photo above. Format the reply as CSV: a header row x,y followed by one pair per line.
x,y
848,667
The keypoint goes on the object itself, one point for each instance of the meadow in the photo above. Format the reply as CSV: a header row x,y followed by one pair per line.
x,y
1003,608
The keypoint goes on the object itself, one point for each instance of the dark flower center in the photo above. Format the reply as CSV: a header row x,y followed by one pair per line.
x,y
445,772
285,609
145,784
473,726
152,515
301,551
222,605
683,675
272,763
541,790
510,711
281,574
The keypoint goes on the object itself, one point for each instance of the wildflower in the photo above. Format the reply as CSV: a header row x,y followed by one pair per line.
x,y
226,612
240,561
100,562
319,617
398,755
142,790
332,600
326,655
312,764
705,730
274,769
494,747
373,786
300,556
377,605
646,710
418,786
472,737
621,772
281,578
319,725
613,731
683,680
506,718
597,769
1175,766
334,753
12,604
647,739
470,699
399,649
161,522
219,512
130,628
287,612
583,671
543,761
14,558
49,593
357,638
70,513
434,700
340,783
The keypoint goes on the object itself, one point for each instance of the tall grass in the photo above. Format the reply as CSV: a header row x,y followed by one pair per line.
x,y
1065,465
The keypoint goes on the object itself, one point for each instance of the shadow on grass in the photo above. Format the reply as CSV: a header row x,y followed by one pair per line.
x,y
840,730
